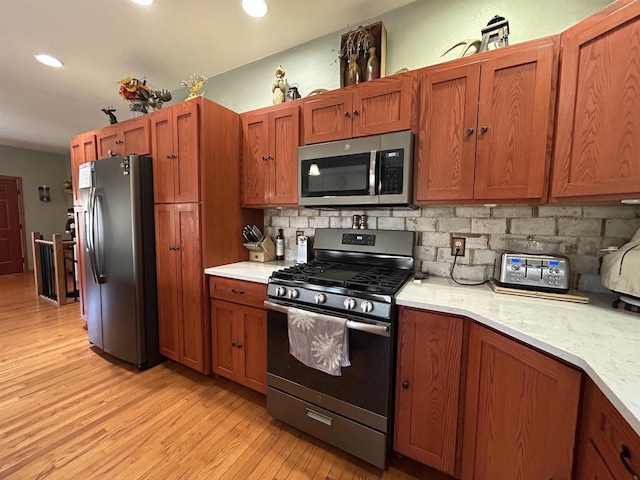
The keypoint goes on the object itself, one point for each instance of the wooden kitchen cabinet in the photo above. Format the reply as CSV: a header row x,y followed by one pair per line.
x,y
78,217
521,411
597,138
83,149
428,388
174,151
370,108
182,330
486,125
130,136
270,140
239,331
603,436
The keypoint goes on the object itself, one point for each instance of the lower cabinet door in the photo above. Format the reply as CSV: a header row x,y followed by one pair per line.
x,y
428,388
591,466
252,346
224,325
166,275
520,412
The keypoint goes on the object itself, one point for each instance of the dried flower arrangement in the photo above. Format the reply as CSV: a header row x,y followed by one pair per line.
x,y
357,43
195,83
141,96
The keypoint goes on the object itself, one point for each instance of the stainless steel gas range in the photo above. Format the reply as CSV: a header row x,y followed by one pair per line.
x,y
356,275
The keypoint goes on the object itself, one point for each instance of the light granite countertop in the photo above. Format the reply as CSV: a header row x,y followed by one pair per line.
x,y
603,342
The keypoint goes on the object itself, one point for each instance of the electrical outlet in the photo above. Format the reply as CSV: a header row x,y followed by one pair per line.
x,y
458,245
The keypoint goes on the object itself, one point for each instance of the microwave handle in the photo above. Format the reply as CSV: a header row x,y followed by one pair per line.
x,y
372,172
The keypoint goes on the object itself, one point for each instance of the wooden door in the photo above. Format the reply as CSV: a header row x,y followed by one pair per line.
x,y
428,388
520,411
186,149
162,156
79,213
382,106
224,331
252,347
107,139
190,278
134,134
83,149
514,125
591,466
167,280
284,140
446,144
11,241
597,139
255,160
328,117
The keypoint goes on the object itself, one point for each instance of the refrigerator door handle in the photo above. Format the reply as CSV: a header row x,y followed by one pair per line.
x,y
91,237
98,250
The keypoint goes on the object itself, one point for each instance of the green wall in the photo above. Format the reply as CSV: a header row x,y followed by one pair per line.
x,y
39,168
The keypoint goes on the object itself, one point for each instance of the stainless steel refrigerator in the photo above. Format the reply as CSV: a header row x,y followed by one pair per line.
x,y
119,258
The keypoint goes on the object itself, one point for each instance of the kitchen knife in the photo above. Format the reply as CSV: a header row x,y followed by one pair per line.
x,y
257,233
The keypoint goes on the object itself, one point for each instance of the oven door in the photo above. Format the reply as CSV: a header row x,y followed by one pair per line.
x,y
362,392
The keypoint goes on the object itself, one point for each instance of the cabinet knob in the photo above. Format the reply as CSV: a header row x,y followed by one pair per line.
x,y
624,455
469,131
484,129
119,142
264,158
239,345
169,157
270,157
405,384
346,114
233,344
174,156
356,113
176,248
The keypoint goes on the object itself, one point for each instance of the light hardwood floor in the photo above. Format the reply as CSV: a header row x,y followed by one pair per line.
x,y
67,412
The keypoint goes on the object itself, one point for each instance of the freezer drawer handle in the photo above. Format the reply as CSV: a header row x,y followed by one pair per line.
x,y
318,417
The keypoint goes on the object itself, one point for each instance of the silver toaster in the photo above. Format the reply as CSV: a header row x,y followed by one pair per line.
x,y
548,273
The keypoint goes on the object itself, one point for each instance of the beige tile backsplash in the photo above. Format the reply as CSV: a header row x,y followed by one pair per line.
x,y
582,230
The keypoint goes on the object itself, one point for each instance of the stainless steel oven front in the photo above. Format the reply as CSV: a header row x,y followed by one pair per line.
x,y
351,411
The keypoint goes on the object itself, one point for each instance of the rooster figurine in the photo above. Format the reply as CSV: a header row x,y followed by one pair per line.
x,y
109,111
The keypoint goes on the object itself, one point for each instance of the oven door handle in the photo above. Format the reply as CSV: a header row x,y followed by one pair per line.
x,y
382,330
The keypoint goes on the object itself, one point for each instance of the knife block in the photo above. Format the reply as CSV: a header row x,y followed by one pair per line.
x,y
262,251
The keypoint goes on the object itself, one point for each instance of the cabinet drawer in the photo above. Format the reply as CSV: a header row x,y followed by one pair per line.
x,y
238,291
609,432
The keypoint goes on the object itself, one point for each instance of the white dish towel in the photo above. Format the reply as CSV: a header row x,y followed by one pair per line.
x,y
319,341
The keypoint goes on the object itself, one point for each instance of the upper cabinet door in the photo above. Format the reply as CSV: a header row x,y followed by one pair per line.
x,y
284,140
597,149
108,140
514,125
174,149
382,106
83,149
135,137
255,160
162,156
328,117
446,144
185,149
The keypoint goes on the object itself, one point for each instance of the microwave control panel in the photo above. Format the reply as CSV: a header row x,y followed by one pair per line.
x,y
391,171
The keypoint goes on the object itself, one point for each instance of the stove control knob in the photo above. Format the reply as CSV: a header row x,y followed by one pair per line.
x,y
349,303
293,294
366,306
320,298
281,292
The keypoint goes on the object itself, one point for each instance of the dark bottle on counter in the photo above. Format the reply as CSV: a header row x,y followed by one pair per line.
x,y
280,245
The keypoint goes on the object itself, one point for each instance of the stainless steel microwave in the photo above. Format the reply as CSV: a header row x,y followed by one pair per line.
x,y
369,171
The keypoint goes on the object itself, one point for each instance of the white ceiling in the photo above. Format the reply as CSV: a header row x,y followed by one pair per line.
x,y
102,41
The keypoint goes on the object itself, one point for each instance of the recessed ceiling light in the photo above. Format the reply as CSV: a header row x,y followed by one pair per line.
x,y
255,8
48,60
146,3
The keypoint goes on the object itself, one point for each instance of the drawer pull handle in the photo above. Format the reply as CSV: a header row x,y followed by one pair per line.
x,y
624,455
237,292
318,417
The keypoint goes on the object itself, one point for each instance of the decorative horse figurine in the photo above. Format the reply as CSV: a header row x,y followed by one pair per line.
x,y
109,111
